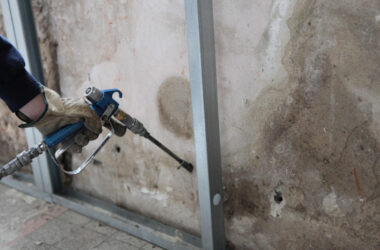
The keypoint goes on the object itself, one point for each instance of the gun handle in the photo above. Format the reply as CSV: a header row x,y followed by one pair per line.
x,y
53,139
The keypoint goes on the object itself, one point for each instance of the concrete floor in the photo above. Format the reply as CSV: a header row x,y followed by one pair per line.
x,y
30,223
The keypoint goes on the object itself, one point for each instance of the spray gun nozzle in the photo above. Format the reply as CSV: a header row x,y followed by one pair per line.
x,y
188,166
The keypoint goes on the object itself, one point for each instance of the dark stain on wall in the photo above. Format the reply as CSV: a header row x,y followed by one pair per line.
x,y
48,45
244,198
174,104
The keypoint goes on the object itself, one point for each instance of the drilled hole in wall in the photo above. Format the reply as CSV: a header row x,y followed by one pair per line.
x,y
117,148
97,162
278,197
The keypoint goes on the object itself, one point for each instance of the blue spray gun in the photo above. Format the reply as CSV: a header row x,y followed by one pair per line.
x,y
113,118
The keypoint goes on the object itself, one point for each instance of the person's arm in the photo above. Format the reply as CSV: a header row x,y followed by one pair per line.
x,y
34,108
39,106
17,86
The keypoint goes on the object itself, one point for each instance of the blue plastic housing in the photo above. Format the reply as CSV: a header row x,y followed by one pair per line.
x,y
101,106
53,139
62,134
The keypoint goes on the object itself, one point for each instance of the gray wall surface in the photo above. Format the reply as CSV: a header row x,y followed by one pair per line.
x,y
299,103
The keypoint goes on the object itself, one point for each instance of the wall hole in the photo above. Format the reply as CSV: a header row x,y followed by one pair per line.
x,y
97,162
278,197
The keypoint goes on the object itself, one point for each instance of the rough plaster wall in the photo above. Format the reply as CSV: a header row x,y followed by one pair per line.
x,y
299,103
12,139
140,48
298,86
47,43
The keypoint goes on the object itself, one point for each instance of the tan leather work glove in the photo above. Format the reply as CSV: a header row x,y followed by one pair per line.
x,y
60,112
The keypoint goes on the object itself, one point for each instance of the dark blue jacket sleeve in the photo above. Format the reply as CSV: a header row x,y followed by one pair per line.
x,y
17,86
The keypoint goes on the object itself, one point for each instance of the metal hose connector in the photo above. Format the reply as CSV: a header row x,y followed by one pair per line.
x,y
22,159
131,123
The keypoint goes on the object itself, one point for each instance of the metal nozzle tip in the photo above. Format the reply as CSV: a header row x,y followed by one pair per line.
x,y
93,94
88,90
188,166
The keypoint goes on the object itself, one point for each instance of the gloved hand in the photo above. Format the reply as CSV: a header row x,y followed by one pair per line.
x,y
63,111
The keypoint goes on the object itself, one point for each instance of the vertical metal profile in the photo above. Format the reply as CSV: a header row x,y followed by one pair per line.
x,y
19,26
201,50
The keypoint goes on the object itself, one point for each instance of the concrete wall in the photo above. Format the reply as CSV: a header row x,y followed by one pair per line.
x,y
113,45
299,90
299,104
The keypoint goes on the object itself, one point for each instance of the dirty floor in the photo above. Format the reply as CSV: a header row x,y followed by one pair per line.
x,y
30,223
